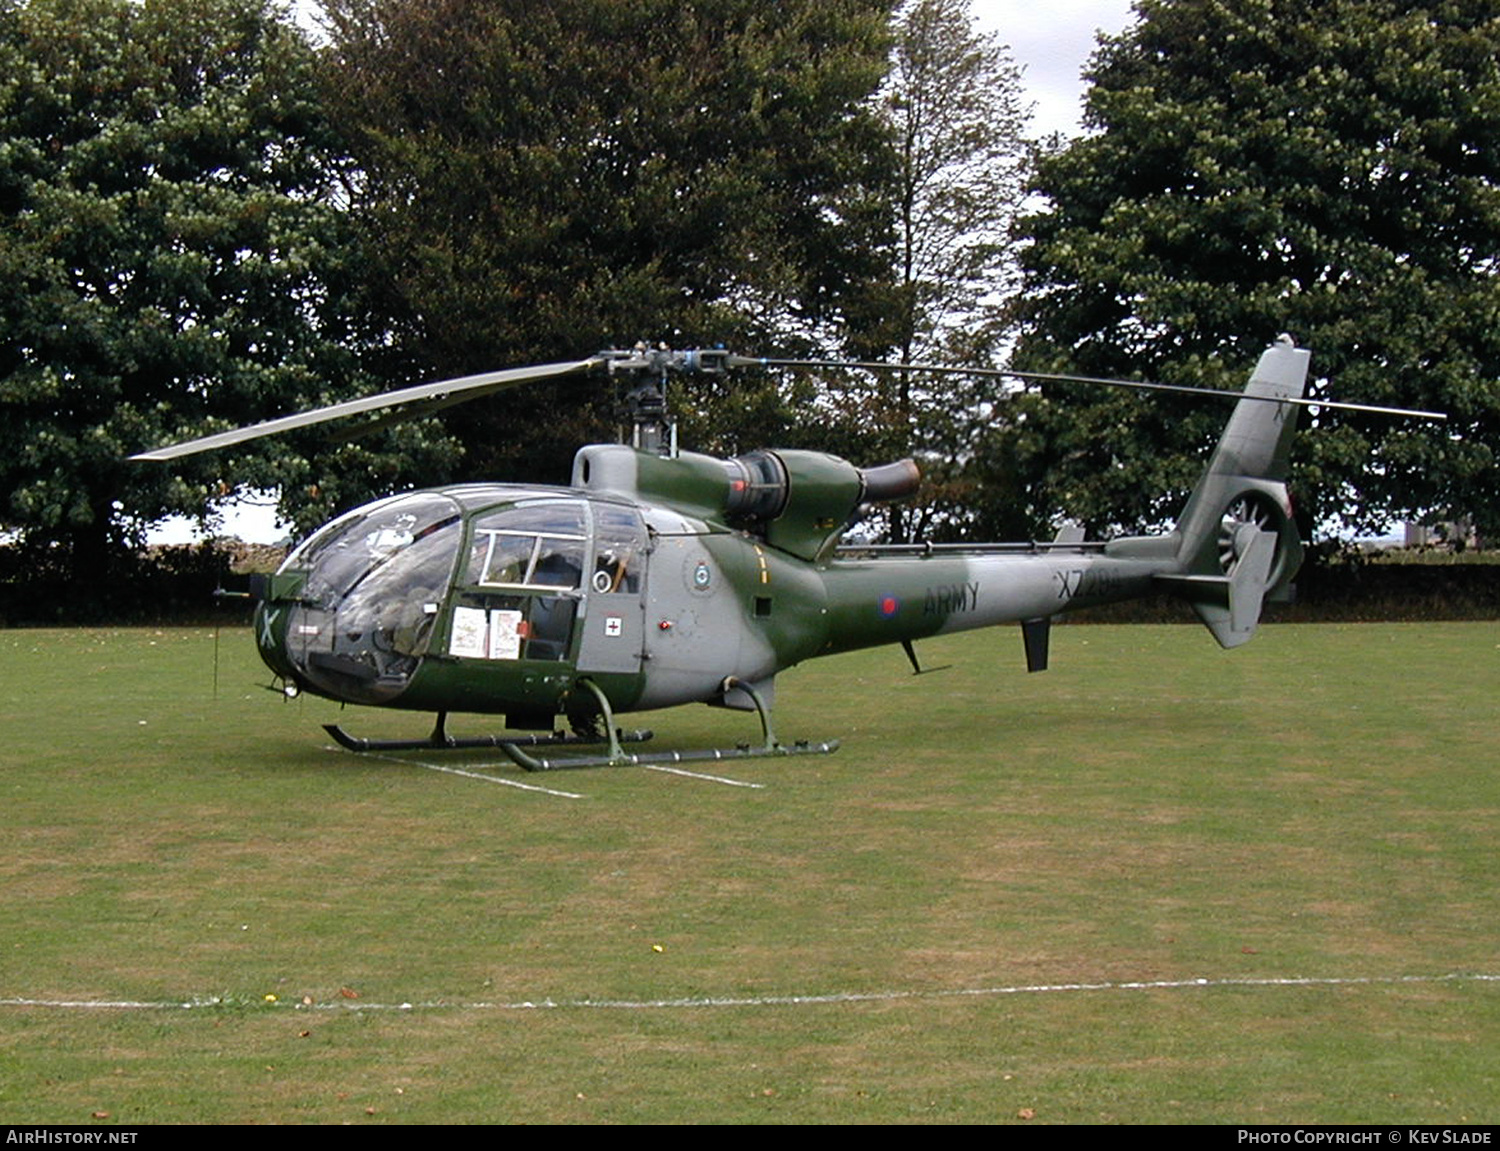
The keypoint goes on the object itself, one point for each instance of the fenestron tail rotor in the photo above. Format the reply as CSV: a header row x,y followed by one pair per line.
x,y
1245,517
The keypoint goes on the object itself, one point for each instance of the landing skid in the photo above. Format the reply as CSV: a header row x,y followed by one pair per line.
x,y
647,759
617,756
440,740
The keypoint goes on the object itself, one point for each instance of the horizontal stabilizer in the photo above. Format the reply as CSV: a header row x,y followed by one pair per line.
x,y
1229,605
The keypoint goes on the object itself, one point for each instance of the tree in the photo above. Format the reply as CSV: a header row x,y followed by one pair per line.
x,y
543,178
953,106
954,103
171,263
1323,167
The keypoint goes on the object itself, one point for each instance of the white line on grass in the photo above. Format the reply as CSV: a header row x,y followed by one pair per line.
x,y
700,775
758,1000
469,774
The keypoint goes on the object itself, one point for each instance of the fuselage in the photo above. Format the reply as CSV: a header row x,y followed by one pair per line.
x,y
499,599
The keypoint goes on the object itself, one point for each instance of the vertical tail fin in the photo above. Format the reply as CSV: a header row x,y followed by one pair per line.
x,y
1238,541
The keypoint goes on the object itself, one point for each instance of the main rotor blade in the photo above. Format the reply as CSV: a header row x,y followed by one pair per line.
x,y
439,394
1055,377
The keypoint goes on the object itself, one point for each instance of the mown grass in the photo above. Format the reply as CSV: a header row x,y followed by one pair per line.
x,y
1319,804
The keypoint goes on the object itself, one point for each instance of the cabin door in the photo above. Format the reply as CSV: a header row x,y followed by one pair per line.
x,y
613,624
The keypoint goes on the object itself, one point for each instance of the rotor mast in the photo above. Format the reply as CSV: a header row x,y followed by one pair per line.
x,y
646,371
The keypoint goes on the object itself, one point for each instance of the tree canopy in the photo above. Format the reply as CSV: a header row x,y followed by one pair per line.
x,y
1327,168
173,260
543,178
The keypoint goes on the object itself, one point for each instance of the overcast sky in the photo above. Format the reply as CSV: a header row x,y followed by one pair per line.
x,y
1052,42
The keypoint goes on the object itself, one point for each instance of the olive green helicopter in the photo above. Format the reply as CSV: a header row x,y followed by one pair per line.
x,y
663,577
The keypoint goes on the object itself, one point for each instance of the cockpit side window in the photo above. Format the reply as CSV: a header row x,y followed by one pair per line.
x,y
539,547
521,561
618,543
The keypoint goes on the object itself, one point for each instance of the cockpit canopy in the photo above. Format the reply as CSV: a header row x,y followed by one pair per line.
x,y
380,552
451,572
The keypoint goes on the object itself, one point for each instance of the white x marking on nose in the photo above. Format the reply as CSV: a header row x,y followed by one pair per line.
x,y
267,620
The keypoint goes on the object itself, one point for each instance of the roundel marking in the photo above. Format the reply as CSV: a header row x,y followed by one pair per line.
x,y
889,606
699,575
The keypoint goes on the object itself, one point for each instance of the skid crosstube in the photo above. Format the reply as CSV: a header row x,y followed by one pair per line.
x,y
619,757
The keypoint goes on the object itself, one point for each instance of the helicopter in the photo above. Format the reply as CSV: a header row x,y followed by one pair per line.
x,y
661,577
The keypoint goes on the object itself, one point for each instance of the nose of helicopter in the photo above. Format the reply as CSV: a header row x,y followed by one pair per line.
x,y
350,613
269,624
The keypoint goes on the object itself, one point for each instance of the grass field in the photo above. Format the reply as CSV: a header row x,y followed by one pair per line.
x,y
1321,805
